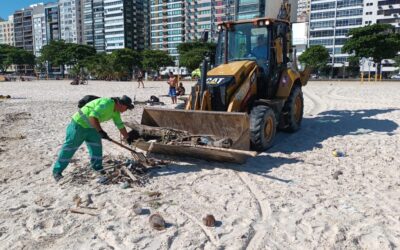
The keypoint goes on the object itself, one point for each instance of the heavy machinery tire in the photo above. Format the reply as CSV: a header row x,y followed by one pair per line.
x,y
262,128
293,111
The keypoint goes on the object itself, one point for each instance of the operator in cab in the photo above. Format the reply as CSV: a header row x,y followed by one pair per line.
x,y
261,50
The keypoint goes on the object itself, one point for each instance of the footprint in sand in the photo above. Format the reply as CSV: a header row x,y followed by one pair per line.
x,y
44,201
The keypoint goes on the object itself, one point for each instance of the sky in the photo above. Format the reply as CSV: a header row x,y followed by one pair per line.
x,y
7,7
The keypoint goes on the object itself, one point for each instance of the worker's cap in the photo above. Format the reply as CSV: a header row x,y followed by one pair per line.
x,y
125,100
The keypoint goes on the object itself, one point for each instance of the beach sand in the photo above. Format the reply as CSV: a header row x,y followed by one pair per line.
x,y
286,198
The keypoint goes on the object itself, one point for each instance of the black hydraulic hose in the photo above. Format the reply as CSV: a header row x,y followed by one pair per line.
x,y
203,78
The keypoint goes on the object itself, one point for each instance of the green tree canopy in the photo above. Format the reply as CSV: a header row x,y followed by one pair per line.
x,y
315,56
77,53
378,41
192,53
100,66
155,59
123,61
5,56
56,54
11,55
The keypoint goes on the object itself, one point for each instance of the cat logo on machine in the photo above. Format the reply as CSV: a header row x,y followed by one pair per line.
x,y
214,80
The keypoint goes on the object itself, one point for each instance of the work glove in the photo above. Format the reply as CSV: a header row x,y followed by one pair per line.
x,y
104,135
130,139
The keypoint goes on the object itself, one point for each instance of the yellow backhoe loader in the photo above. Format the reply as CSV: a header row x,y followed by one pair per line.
x,y
252,91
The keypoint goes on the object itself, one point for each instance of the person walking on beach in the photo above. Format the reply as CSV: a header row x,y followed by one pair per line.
x,y
85,127
140,78
173,84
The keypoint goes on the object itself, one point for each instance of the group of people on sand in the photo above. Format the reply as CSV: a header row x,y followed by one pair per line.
x,y
175,89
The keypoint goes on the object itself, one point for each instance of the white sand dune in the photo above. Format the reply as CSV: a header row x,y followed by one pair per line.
x,y
285,198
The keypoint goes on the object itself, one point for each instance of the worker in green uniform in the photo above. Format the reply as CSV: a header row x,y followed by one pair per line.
x,y
85,127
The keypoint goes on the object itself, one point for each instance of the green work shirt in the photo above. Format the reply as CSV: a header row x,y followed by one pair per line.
x,y
102,109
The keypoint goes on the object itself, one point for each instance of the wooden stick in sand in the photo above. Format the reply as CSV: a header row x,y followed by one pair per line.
x,y
126,170
82,211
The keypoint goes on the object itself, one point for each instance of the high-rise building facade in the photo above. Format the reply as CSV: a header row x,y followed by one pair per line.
x,y
202,15
93,24
39,29
249,9
303,10
108,25
23,34
118,24
167,25
141,24
177,21
52,19
70,20
330,22
382,11
7,31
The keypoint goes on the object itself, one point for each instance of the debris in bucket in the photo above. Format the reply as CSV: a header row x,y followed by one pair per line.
x,y
171,136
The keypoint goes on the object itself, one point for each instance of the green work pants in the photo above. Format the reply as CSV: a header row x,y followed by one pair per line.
x,y
76,135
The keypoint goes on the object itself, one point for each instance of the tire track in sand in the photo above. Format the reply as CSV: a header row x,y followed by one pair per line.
x,y
207,232
318,104
264,209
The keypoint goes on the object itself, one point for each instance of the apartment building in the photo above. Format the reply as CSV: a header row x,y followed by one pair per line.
x,y
23,34
249,9
202,15
39,29
330,22
142,24
303,10
7,31
70,20
118,24
52,20
381,11
93,24
167,25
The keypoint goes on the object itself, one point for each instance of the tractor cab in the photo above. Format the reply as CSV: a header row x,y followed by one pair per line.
x,y
263,41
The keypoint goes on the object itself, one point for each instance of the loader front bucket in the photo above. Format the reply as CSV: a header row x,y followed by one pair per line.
x,y
219,124
235,126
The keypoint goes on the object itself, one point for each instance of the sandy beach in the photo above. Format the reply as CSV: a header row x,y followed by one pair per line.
x,y
297,195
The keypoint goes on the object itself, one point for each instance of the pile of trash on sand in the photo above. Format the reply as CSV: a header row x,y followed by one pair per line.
x,y
124,171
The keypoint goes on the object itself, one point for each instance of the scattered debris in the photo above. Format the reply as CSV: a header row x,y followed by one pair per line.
x,y
157,222
209,220
121,170
12,138
125,185
337,153
336,174
89,200
83,211
12,117
155,204
153,194
77,200
137,209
